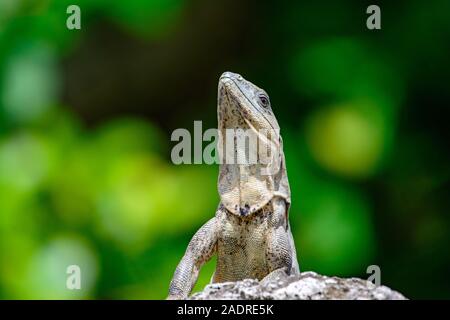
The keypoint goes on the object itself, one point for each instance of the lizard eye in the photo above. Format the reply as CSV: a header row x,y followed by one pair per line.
x,y
264,100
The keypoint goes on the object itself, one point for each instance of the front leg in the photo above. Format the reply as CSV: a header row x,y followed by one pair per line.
x,y
279,253
199,251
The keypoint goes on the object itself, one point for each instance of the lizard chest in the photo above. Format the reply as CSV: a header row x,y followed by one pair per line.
x,y
248,234
242,243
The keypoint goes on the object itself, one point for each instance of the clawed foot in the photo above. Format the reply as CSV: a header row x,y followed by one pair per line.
x,y
279,273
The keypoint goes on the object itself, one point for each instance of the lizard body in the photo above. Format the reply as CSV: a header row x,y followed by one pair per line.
x,y
250,231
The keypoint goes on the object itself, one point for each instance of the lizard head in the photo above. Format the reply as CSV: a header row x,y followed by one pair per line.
x,y
245,188
241,104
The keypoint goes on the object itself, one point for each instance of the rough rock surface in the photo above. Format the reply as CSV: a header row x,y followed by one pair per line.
x,y
306,286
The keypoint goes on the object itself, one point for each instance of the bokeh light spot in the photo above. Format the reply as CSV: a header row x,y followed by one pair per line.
x,y
31,83
46,274
346,140
24,161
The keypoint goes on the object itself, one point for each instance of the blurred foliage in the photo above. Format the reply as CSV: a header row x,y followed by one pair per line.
x,y
86,118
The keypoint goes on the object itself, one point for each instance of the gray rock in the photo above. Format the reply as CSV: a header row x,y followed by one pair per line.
x,y
306,286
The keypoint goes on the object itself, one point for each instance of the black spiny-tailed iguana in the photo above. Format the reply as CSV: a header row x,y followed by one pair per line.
x,y
250,232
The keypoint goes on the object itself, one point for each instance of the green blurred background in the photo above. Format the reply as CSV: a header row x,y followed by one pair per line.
x,y
86,118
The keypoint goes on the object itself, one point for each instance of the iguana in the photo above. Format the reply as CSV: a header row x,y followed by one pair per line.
x,y
250,231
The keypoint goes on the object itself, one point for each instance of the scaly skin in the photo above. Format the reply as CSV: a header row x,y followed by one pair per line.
x,y
250,232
